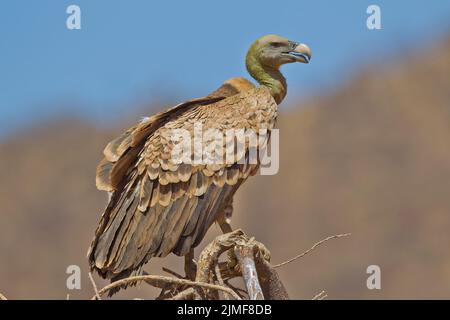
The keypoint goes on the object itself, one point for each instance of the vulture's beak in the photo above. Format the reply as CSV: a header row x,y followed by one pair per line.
x,y
301,52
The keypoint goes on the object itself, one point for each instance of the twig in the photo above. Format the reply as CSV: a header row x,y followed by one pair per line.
x,y
167,280
2,297
172,273
311,249
320,296
94,285
68,297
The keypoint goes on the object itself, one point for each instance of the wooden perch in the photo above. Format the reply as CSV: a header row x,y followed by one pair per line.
x,y
248,259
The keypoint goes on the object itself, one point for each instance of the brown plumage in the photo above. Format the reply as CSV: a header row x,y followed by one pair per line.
x,y
158,206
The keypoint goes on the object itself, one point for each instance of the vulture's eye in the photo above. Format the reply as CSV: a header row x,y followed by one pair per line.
x,y
276,44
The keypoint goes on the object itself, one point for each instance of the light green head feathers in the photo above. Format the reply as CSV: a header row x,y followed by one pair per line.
x,y
265,57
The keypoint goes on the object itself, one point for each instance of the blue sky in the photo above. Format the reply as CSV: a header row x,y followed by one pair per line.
x,y
133,52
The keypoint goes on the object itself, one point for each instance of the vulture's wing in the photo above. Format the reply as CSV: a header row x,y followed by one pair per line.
x,y
112,168
157,206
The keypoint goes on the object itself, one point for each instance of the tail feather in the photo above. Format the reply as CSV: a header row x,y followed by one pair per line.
x,y
123,275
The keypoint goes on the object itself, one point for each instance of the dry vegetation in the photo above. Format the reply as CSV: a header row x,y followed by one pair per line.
x,y
372,159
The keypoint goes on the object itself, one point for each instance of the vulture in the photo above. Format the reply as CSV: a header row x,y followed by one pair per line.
x,y
159,206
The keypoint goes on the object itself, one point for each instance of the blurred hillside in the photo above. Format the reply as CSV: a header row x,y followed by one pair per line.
x,y
372,159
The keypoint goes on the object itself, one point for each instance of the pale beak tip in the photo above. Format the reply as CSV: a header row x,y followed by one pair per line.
x,y
304,50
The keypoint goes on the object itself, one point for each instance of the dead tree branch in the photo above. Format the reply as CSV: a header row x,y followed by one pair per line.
x,y
94,285
320,296
161,280
311,249
228,256
188,294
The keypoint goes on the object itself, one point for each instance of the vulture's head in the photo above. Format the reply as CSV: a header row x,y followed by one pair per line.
x,y
273,51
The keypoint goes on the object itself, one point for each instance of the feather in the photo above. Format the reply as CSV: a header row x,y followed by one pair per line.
x,y
172,176
145,194
155,194
178,190
219,178
232,175
115,149
202,184
174,226
122,167
152,172
159,228
192,184
102,178
184,172
121,234
195,207
165,194
163,177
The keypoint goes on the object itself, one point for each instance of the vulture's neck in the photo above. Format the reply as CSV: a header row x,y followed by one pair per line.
x,y
268,77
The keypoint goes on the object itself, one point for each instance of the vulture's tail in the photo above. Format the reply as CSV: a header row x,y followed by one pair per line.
x,y
123,275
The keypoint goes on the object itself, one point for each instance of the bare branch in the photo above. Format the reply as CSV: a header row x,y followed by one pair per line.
x,y
169,281
320,296
311,249
94,285
172,273
2,297
188,294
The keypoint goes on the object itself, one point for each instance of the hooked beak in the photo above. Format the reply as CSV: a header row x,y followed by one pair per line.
x,y
301,53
